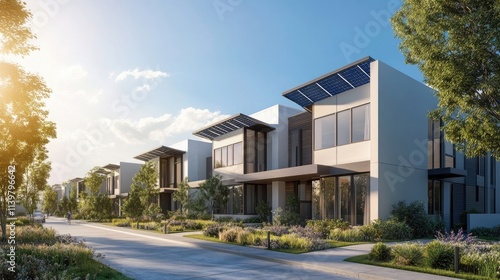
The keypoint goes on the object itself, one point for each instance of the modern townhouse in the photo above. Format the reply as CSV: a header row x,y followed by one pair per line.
x,y
118,182
249,144
362,143
186,159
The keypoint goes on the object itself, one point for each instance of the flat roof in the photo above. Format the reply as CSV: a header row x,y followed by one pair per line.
x,y
159,152
231,124
348,77
111,166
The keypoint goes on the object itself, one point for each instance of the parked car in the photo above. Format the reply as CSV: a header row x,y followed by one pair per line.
x,y
39,217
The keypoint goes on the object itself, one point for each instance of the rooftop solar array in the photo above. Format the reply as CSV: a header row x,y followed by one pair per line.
x,y
231,124
160,152
338,81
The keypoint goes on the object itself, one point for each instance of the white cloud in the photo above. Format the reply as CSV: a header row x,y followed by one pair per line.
x,y
145,74
74,73
165,127
92,97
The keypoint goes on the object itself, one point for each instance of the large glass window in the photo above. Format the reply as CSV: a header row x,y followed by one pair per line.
x,y
224,156
480,166
324,198
361,123
344,197
250,151
344,127
434,197
261,151
434,145
361,187
437,144
235,200
238,153
253,195
228,155
324,132
218,158
493,170
170,171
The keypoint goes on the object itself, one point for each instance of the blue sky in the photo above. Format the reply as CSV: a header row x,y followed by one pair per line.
x,y
129,76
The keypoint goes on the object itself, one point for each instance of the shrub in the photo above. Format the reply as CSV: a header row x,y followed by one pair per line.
x,y
225,219
484,231
351,235
481,259
305,232
407,254
35,235
380,252
230,234
21,221
439,254
415,216
388,230
121,222
213,230
263,209
252,220
325,226
277,230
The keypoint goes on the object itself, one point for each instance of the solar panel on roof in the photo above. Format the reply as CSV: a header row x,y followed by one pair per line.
x,y
352,76
229,125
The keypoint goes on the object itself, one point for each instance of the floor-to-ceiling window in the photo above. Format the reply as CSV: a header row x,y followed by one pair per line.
x,y
170,171
255,151
434,189
345,197
253,195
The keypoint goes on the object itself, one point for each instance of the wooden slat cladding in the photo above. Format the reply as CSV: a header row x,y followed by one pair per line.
x,y
300,139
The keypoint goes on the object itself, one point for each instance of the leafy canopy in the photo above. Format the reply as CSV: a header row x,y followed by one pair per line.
x,y
456,46
24,128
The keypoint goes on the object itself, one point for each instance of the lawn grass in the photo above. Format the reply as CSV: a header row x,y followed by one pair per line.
x,y
333,244
363,259
101,271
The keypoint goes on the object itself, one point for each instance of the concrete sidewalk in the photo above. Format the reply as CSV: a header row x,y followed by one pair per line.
x,y
331,260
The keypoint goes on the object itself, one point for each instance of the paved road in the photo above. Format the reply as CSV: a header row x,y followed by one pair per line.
x,y
148,256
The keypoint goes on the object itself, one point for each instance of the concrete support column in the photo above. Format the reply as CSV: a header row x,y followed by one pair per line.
x,y
278,194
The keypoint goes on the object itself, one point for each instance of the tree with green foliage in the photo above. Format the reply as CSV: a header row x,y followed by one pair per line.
x,y
94,204
49,200
181,195
94,181
214,193
145,183
34,181
133,207
456,45
24,128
